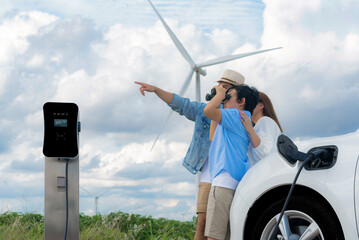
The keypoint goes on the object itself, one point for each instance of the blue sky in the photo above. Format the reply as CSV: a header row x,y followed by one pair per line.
x,y
91,52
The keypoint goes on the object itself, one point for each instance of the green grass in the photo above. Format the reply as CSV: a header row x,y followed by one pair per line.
x,y
112,226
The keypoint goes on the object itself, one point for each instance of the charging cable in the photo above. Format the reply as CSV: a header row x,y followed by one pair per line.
x,y
313,158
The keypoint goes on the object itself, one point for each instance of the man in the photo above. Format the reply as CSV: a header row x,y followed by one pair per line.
x,y
197,153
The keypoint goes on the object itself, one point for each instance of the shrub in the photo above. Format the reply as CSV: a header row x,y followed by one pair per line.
x,y
112,226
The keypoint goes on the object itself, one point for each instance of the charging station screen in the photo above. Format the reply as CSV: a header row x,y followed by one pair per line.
x,y
60,122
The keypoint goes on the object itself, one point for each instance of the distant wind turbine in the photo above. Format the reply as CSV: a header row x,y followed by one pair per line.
x,y
96,197
198,68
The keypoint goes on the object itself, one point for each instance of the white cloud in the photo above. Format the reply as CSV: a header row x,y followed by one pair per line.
x,y
36,61
136,161
15,32
14,41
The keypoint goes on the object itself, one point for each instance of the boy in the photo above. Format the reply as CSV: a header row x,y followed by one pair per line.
x,y
197,154
228,161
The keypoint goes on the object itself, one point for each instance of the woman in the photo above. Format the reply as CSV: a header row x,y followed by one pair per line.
x,y
266,129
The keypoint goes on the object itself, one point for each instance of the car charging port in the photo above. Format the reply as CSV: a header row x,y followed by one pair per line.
x,y
326,157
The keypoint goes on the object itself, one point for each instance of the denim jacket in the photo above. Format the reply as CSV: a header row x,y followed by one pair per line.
x,y
198,150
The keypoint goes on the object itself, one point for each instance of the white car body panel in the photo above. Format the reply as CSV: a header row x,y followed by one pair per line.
x,y
336,184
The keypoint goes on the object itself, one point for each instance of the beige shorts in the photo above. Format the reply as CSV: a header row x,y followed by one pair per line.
x,y
202,198
217,220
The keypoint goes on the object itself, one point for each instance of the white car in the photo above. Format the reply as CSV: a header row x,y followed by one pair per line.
x,y
325,200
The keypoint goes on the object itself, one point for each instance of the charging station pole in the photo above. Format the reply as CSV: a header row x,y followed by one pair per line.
x,y
61,138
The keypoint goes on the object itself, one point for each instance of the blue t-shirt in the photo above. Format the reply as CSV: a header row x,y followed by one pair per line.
x,y
229,146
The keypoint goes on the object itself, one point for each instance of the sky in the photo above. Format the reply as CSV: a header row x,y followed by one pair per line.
x,y
91,52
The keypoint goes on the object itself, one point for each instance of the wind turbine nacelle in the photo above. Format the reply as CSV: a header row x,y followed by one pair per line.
x,y
201,71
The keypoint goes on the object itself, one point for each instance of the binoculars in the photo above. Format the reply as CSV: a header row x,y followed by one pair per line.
x,y
213,93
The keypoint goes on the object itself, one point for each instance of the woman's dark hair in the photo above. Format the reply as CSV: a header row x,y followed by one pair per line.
x,y
268,109
249,93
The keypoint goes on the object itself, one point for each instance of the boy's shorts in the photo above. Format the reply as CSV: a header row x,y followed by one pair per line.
x,y
217,220
202,198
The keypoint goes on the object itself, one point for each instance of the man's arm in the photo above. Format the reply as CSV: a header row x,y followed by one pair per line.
x,y
167,97
212,110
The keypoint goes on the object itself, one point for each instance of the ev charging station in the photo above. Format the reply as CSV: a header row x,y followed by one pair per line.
x,y
61,141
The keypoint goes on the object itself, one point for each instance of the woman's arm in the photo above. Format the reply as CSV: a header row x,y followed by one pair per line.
x,y
268,132
255,140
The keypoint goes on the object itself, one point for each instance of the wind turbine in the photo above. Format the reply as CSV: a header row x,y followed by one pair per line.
x,y
198,68
96,197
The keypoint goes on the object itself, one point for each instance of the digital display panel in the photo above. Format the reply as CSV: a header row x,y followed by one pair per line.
x,y
60,122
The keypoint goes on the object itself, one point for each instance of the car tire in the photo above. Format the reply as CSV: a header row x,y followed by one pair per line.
x,y
303,213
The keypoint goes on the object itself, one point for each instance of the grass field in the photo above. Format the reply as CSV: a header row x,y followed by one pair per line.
x,y
112,226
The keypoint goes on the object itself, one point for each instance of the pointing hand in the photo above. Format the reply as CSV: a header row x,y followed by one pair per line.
x,y
145,87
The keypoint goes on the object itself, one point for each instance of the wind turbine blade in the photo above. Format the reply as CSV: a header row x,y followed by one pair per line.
x,y
87,191
98,195
186,83
175,39
232,57
183,90
162,127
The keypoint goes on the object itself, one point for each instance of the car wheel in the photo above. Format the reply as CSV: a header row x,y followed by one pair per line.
x,y
305,218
